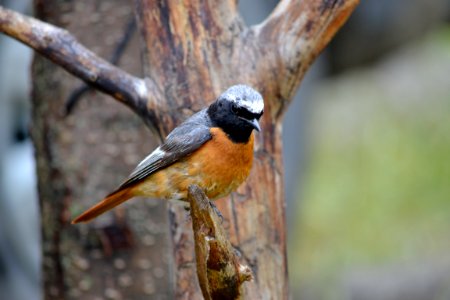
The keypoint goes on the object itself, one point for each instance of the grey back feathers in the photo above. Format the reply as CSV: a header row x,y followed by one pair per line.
x,y
182,141
192,134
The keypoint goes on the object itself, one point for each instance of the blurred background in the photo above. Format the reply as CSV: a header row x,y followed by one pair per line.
x,y
367,146
19,225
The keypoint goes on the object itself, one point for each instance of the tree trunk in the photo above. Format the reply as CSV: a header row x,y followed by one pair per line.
x,y
196,50
83,157
192,51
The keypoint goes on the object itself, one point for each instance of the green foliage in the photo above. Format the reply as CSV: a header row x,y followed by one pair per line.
x,y
377,187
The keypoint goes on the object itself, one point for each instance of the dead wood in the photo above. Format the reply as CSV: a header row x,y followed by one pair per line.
x,y
192,51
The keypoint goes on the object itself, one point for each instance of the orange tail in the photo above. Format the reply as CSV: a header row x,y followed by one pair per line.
x,y
106,204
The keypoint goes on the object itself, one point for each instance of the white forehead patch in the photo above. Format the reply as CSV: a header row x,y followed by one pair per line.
x,y
255,107
246,97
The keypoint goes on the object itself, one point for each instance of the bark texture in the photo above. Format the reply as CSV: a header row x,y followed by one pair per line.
x,y
195,50
219,272
81,158
192,51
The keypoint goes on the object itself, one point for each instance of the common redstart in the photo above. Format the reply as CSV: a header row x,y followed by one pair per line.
x,y
212,149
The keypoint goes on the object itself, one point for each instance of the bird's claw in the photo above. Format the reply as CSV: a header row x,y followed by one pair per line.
x,y
216,210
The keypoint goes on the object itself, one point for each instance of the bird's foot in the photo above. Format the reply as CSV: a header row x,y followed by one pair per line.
x,y
216,210
187,209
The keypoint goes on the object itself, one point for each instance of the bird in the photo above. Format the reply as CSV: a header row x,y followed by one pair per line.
x,y
212,149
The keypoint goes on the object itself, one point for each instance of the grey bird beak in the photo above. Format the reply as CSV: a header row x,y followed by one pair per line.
x,y
255,124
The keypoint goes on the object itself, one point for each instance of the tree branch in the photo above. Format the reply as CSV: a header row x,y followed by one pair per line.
x,y
192,52
79,92
298,30
218,269
63,49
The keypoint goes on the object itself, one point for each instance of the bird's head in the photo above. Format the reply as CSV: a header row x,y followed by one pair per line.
x,y
237,112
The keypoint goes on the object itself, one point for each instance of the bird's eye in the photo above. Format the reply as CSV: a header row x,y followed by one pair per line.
x,y
234,108
243,112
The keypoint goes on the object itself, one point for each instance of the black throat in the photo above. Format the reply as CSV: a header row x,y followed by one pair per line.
x,y
238,136
236,129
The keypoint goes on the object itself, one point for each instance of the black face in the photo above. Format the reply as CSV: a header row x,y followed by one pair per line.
x,y
236,121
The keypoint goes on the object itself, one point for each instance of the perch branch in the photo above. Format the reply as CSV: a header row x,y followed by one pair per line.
x,y
63,49
298,31
218,269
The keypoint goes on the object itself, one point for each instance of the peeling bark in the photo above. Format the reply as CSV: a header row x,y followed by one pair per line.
x,y
193,51
219,271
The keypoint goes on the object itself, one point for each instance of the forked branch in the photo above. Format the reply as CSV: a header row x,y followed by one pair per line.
x,y
298,30
218,269
192,51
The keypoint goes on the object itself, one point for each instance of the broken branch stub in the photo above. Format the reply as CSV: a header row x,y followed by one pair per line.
x,y
219,272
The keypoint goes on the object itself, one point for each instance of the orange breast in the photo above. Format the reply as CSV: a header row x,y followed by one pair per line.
x,y
222,164
218,167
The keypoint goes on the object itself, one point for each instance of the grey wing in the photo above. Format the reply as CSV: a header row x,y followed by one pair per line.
x,y
181,142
